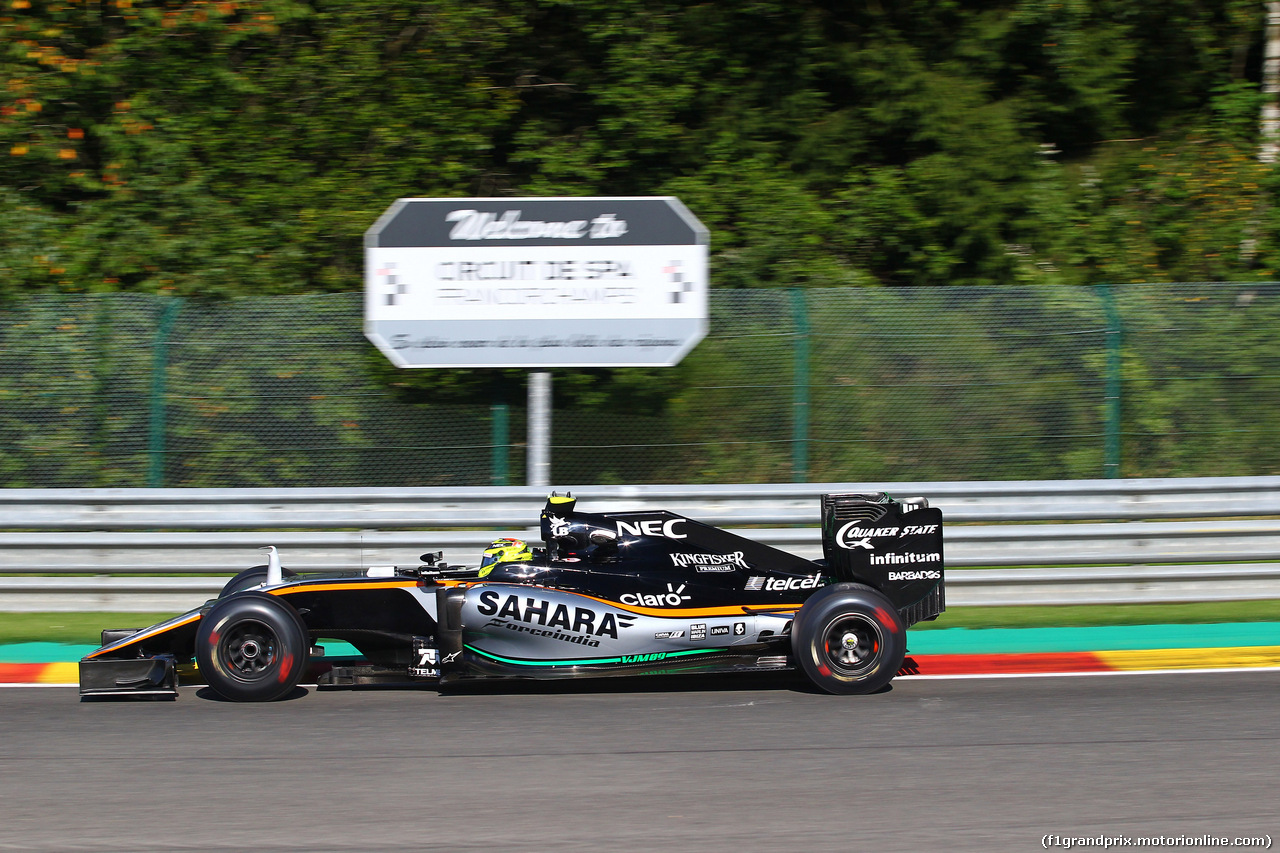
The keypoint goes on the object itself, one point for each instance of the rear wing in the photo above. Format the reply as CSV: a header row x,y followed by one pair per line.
x,y
892,545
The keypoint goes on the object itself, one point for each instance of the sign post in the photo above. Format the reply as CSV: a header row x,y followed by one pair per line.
x,y
536,283
539,429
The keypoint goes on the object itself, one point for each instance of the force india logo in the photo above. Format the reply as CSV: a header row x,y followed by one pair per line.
x,y
579,625
851,536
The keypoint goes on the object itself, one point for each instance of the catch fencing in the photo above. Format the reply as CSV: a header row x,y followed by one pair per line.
x,y
822,385
1039,542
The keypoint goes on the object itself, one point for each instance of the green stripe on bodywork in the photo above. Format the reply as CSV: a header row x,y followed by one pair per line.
x,y
583,662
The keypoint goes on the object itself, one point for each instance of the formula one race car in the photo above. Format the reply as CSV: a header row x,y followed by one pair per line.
x,y
628,593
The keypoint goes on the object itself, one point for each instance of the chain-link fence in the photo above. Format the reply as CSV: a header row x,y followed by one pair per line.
x,y
857,384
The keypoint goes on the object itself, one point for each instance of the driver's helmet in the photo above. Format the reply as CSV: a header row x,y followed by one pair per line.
x,y
505,551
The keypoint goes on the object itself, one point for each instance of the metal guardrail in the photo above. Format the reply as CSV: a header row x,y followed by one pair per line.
x,y
1041,542
1001,502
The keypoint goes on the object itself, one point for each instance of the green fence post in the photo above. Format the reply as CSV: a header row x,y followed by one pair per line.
x,y
159,367
800,388
500,440
1115,332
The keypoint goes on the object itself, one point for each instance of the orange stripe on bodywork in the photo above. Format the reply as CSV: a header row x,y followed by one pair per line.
x,y
144,635
322,587
690,612
680,612
330,587
696,612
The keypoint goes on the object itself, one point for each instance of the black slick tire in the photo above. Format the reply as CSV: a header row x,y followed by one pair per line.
x,y
252,647
250,578
848,639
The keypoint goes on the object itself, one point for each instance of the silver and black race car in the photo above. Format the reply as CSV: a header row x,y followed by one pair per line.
x,y
618,593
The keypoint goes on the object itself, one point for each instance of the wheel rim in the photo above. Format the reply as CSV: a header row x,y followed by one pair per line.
x,y
851,644
249,649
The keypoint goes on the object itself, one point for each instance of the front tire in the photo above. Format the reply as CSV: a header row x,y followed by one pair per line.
x,y
849,639
252,647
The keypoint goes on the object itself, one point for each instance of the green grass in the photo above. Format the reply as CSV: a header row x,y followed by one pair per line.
x,y
87,627
69,627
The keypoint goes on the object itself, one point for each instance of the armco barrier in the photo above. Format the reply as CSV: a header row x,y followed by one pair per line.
x,y
1030,542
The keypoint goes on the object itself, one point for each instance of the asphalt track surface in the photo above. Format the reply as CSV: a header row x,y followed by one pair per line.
x,y
740,764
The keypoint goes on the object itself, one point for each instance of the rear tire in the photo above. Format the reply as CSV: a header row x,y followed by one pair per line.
x,y
250,578
849,639
252,647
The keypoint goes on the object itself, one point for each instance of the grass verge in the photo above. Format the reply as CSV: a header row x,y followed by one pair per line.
x,y
78,628
84,628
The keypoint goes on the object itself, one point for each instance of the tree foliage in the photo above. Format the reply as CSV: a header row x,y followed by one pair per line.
x,y
223,147
226,148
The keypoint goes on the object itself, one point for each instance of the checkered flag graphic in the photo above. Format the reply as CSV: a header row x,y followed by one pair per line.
x,y
680,286
391,281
